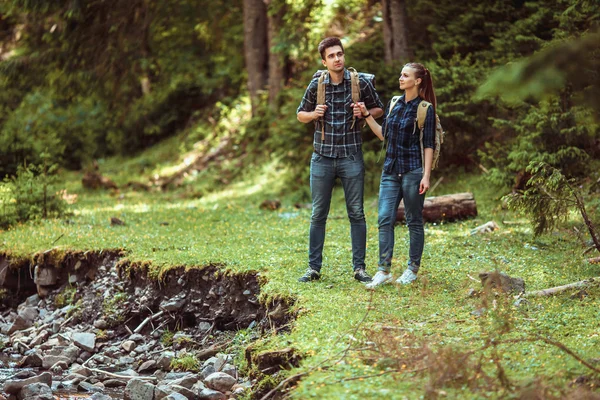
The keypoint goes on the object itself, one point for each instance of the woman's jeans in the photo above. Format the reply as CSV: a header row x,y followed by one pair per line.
x,y
392,189
323,173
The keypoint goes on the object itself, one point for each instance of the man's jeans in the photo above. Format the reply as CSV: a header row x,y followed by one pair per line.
x,y
392,189
323,172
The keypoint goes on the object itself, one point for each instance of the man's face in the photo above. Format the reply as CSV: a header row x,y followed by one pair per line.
x,y
334,59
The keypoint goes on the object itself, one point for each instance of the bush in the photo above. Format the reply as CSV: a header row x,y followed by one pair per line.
x,y
30,195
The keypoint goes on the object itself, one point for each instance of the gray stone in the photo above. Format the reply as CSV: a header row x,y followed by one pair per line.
x,y
39,338
164,361
128,345
137,337
220,381
44,276
100,324
39,391
18,325
78,369
49,361
230,370
13,386
85,341
209,394
198,387
100,396
183,390
138,389
32,360
172,305
161,392
187,381
178,396
147,366
126,360
206,371
114,383
204,326
29,314
32,300
88,387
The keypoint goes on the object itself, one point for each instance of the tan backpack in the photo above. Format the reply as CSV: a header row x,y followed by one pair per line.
x,y
321,92
439,131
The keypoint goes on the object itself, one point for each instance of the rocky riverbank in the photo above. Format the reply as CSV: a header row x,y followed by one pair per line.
x,y
99,326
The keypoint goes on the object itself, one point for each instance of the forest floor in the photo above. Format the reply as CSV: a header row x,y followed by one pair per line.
x,y
434,338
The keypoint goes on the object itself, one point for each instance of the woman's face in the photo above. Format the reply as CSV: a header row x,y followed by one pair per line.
x,y
407,79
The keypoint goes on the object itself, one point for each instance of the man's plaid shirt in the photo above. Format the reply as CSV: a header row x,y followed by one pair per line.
x,y
402,132
340,139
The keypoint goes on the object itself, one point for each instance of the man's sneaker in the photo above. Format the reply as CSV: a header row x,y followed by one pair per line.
x,y
379,279
407,277
309,275
361,276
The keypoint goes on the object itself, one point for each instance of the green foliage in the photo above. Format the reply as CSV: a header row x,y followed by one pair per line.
x,y
66,297
186,362
112,308
31,194
167,338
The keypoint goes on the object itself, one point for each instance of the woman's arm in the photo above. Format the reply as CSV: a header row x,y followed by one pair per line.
x,y
375,127
424,186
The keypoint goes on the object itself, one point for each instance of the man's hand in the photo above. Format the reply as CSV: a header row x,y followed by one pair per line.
x,y
319,111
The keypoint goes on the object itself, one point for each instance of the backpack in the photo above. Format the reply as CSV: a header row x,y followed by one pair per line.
x,y
354,83
439,131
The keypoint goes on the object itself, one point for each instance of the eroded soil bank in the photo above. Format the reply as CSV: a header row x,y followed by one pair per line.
x,y
95,323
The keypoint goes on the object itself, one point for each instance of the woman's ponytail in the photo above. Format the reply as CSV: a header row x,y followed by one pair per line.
x,y
426,87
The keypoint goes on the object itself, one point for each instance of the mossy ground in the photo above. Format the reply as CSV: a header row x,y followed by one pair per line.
x,y
227,226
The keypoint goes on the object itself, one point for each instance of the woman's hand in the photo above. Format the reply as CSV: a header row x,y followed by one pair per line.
x,y
424,186
360,110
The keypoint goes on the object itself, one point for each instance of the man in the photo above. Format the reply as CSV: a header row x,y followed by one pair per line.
x,y
337,154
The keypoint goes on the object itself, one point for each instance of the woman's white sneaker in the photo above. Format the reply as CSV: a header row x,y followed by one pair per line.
x,y
407,277
379,279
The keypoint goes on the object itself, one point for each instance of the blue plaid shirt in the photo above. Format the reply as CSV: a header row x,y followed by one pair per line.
x,y
341,140
401,129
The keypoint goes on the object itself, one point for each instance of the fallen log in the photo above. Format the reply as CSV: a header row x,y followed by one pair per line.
x,y
560,289
450,207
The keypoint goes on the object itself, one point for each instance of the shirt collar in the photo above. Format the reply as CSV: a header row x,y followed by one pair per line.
x,y
416,99
346,76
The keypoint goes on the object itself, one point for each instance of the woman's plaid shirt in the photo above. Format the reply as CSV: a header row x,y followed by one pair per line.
x,y
341,139
402,133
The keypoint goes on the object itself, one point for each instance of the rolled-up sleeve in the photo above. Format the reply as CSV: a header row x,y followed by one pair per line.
x,y
369,95
309,100
429,129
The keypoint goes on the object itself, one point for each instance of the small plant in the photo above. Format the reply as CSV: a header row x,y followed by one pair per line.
x,y
65,297
167,338
112,308
186,362
76,310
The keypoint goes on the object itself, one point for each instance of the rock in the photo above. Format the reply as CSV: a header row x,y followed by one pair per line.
x,y
100,396
85,341
18,325
59,367
177,396
114,383
38,391
206,371
13,386
126,360
209,394
164,361
187,393
49,361
138,389
100,324
88,387
32,360
230,370
161,392
136,337
78,369
149,365
198,387
44,276
172,305
220,381
29,314
40,338
204,326
32,300
187,381
128,345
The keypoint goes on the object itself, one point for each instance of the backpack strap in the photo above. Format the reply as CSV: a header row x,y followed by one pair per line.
x,y
421,114
321,99
393,102
355,84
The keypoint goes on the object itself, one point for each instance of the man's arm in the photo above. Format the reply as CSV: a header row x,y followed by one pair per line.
x,y
309,116
308,110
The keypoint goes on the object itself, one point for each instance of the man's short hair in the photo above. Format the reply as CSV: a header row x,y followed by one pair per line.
x,y
327,43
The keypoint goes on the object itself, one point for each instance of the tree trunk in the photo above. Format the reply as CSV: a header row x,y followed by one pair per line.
x,y
277,10
450,207
395,31
256,49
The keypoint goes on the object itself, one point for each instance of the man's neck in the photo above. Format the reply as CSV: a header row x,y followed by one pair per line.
x,y
336,77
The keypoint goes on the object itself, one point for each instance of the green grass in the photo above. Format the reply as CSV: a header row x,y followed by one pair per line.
x,y
226,226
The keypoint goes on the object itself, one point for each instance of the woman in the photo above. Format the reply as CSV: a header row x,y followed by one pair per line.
x,y
406,170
